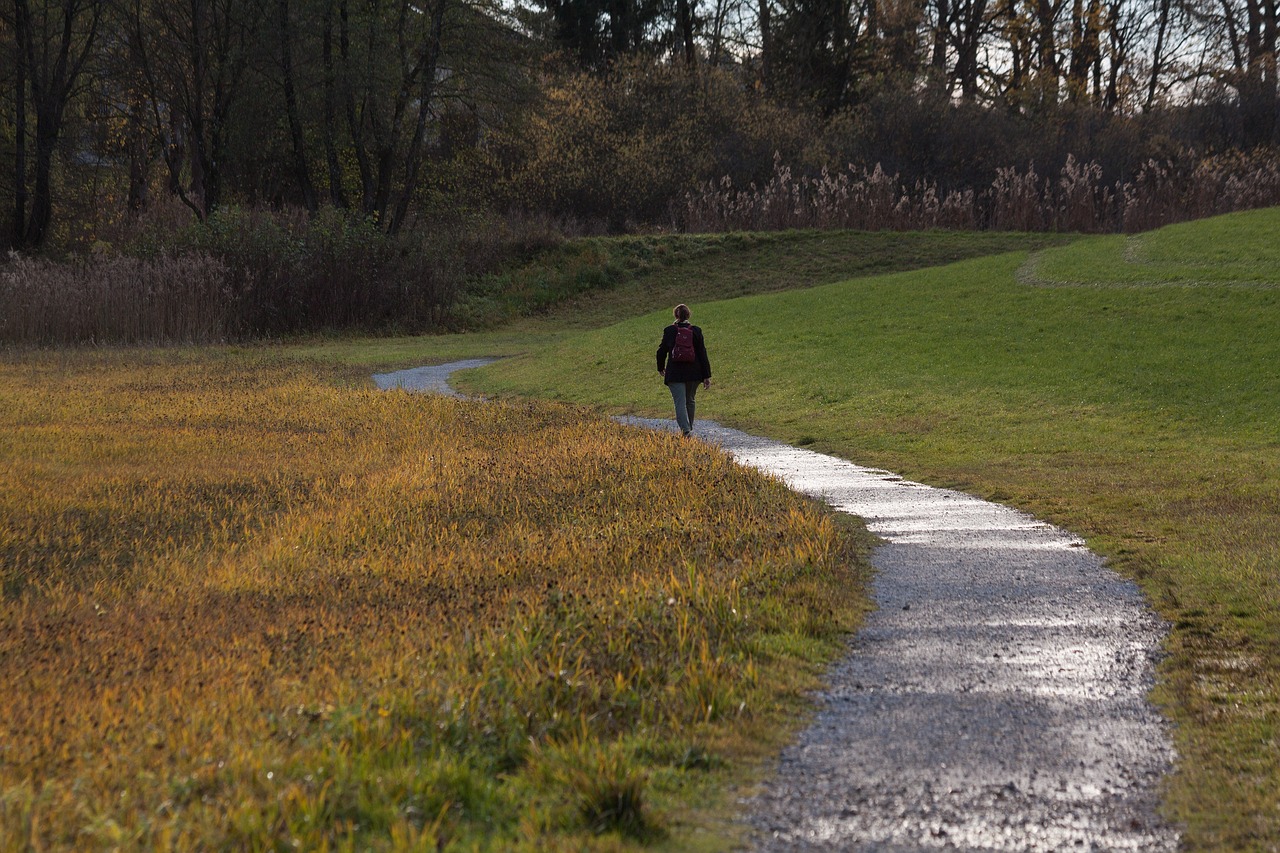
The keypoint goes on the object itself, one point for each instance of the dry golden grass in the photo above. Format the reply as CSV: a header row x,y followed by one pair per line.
x,y
247,606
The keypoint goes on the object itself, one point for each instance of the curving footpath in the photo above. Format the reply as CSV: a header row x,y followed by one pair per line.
x,y
996,700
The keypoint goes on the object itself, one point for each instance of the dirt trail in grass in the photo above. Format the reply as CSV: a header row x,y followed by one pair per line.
x,y
996,700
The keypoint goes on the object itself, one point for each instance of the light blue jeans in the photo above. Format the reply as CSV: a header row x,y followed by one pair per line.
x,y
682,393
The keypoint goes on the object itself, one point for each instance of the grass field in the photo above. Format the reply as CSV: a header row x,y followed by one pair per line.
x,y
1127,388
1123,387
253,604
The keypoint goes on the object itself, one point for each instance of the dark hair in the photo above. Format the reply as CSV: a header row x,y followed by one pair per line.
x,y
682,312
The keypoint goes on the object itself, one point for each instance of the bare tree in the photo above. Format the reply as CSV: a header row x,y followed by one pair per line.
x,y
686,24
1158,56
1240,39
301,168
54,42
193,56
330,112
387,73
973,27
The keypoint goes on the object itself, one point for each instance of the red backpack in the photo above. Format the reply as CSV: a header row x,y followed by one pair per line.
x,y
682,350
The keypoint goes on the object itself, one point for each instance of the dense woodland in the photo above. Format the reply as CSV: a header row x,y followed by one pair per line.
x,y
135,125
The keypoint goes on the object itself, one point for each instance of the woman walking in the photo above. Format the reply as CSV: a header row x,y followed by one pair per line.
x,y
682,361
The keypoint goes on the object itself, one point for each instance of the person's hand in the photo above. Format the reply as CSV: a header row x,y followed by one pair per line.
x,y
706,383
661,372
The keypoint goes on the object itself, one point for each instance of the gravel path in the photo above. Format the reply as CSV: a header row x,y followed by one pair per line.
x,y
996,700
433,379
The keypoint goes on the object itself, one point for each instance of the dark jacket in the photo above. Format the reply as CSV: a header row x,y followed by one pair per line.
x,y
683,371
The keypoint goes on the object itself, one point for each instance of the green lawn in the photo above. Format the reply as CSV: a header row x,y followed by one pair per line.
x,y
596,282
1124,387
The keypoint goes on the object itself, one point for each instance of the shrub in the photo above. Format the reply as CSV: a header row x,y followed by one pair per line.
x,y
615,151
251,272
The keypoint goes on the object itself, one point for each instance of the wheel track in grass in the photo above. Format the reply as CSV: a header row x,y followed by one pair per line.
x,y
995,700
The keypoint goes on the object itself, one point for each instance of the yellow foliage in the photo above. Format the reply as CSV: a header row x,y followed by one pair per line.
x,y
244,605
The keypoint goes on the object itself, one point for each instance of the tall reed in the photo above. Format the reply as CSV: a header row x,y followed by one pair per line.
x,y
169,298
1079,199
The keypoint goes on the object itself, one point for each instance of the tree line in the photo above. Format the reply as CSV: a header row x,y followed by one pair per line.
x,y
409,114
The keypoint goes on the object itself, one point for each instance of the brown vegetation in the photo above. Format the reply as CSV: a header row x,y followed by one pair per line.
x,y
249,274
244,607
1079,200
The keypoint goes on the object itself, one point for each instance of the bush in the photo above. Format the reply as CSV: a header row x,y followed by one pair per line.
x,y
295,274
614,151
250,273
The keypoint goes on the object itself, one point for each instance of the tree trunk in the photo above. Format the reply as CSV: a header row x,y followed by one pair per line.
x,y
716,48
336,194
48,124
1093,47
1157,55
139,161
382,188
1271,43
1018,47
355,124
938,59
967,61
1119,57
1046,14
20,153
50,70
216,151
766,46
1078,68
684,13
175,156
1258,87
302,173
197,142
430,61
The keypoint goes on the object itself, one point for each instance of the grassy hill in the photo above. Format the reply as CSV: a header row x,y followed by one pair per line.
x,y
1126,388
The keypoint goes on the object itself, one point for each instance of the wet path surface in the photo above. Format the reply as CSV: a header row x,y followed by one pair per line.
x,y
994,701
433,379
